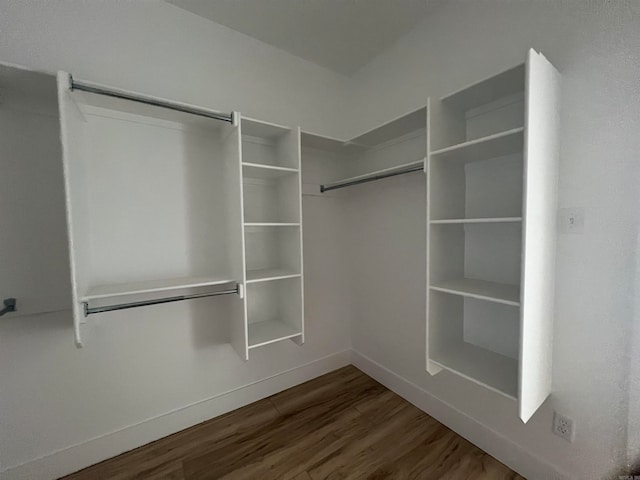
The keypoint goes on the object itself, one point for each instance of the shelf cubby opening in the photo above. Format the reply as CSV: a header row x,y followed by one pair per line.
x,y
274,311
477,260
272,252
475,339
271,199
489,107
488,189
269,145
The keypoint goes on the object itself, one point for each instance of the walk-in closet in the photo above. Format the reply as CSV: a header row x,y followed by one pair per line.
x,y
312,240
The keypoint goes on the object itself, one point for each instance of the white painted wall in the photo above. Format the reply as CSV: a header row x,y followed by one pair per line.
x,y
162,50
143,375
597,50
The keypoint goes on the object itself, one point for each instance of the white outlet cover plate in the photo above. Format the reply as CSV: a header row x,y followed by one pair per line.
x,y
564,427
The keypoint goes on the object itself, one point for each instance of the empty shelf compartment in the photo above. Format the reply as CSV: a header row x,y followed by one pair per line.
x,y
269,144
492,370
274,199
476,339
274,311
270,331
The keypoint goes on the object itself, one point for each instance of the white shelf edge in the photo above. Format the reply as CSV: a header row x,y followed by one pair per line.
x,y
139,288
477,220
478,296
279,339
477,141
474,380
375,173
275,277
264,122
271,224
271,167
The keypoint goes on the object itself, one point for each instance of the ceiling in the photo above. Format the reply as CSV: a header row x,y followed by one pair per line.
x,y
341,35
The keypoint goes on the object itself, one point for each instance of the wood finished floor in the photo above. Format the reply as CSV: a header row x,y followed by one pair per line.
x,y
343,425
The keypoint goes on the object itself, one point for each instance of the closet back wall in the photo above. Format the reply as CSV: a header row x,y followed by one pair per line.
x,y
147,372
595,46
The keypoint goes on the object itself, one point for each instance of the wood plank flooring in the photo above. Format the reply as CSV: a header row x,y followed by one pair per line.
x,y
343,425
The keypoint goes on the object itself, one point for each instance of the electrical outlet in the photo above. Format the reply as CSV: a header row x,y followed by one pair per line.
x,y
563,426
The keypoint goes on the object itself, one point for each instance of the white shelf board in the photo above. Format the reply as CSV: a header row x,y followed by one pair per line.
x,y
398,127
481,289
484,367
270,331
153,286
372,175
270,224
266,275
328,144
478,220
487,90
256,170
377,136
492,146
261,129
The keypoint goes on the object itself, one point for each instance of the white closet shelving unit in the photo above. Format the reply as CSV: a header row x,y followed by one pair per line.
x,y
492,180
162,203
272,216
169,202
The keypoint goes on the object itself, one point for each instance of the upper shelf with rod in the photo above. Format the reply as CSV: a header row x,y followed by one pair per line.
x,y
375,175
394,148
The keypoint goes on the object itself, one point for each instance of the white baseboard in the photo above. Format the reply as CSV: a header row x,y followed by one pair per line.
x,y
77,457
511,454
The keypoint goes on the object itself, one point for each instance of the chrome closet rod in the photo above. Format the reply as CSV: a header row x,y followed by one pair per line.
x,y
75,85
122,306
349,183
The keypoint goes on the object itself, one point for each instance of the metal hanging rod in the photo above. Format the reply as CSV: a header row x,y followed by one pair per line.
x,y
75,85
372,178
123,306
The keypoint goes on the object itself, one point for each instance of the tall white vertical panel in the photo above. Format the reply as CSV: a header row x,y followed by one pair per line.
x,y
539,232
298,154
71,126
232,151
431,367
